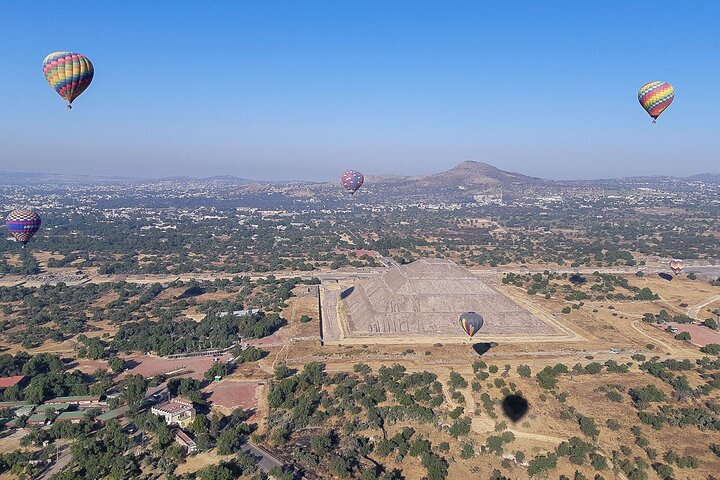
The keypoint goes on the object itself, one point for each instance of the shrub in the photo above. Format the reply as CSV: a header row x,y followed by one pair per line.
x,y
684,336
588,427
614,396
598,461
542,464
710,323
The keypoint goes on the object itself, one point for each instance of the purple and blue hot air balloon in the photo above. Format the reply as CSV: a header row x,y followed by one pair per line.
x,y
23,224
352,180
471,322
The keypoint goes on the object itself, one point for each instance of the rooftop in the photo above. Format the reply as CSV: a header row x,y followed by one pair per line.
x,y
109,415
74,398
13,404
24,410
37,418
6,382
71,415
58,407
172,407
184,437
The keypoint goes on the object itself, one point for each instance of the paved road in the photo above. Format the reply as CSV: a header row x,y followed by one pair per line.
x,y
709,271
57,467
267,460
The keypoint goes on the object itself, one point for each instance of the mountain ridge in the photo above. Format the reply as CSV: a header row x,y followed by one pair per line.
x,y
469,173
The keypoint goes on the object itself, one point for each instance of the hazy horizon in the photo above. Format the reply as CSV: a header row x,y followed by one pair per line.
x,y
289,91
322,180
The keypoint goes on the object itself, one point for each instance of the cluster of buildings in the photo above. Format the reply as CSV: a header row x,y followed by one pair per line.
x,y
60,409
177,412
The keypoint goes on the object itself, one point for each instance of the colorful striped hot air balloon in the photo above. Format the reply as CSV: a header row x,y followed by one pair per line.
x,y
23,224
68,73
676,265
352,180
655,97
471,322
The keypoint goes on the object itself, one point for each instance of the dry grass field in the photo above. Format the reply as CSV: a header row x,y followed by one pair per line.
x,y
596,332
605,330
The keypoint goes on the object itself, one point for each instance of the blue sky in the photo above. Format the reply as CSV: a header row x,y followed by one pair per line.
x,y
305,89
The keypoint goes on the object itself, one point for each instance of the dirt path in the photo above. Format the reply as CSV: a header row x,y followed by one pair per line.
x,y
635,327
694,311
538,437
483,424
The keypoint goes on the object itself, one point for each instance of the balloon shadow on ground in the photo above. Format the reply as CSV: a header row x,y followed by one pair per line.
x,y
481,348
346,293
515,407
665,276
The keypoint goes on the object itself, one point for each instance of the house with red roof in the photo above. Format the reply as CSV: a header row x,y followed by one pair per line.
x,y
7,382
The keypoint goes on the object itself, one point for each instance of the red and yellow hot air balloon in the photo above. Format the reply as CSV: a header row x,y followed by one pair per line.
x,y
655,97
68,73
677,265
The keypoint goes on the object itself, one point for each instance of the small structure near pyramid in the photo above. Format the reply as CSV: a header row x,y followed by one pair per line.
x,y
422,302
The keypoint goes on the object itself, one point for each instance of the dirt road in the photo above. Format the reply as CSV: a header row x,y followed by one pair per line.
x,y
694,311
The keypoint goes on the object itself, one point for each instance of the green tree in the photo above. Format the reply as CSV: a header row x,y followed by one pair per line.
x,y
216,472
133,388
710,323
588,427
598,461
467,451
542,464
116,364
229,441
684,336
665,472
217,369
457,381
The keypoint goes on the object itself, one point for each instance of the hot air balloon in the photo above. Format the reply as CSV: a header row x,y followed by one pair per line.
x,y
471,322
68,73
676,265
23,224
655,97
352,180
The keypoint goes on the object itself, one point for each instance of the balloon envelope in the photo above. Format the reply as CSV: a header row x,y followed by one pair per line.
x,y
676,265
68,73
655,97
352,180
471,322
23,224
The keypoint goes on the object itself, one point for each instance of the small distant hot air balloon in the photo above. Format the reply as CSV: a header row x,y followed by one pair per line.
x,y
471,322
352,180
68,73
23,224
655,97
676,265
